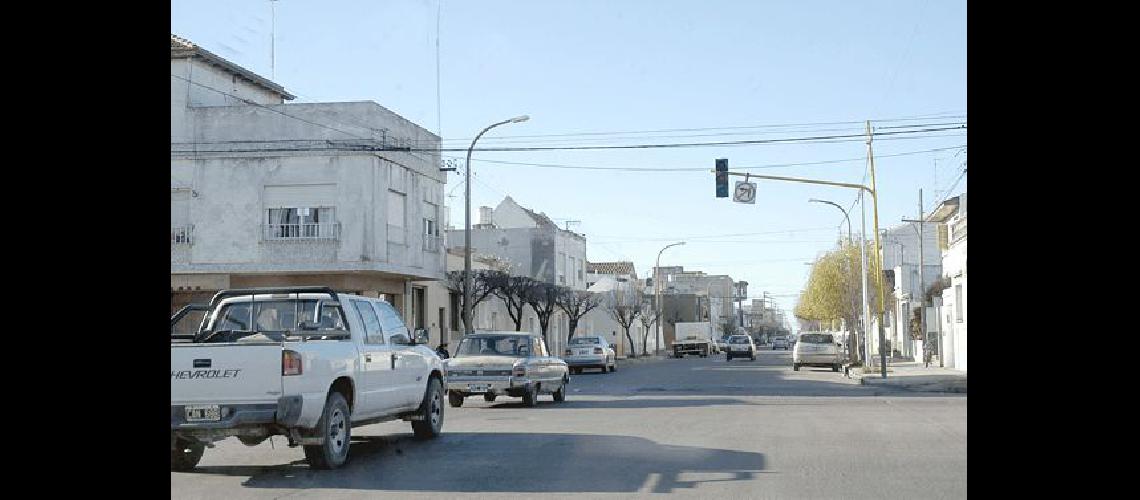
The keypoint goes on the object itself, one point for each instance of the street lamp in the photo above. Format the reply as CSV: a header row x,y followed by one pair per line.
x,y
657,289
841,209
467,226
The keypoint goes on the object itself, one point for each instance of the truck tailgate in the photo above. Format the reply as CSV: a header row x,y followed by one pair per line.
x,y
225,373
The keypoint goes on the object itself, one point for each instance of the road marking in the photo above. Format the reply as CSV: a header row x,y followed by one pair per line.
x,y
650,483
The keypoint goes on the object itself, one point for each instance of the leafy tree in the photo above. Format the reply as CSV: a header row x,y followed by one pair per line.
x,y
833,290
576,304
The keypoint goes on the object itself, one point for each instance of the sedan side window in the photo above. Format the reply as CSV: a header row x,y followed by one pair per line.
x,y
372,331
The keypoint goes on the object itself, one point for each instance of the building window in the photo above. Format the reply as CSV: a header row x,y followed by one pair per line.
x,y
301,223
431,235
959,305
396,217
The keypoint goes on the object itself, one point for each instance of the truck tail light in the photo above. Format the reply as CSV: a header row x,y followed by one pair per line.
x,y
290,363
519,371
597,350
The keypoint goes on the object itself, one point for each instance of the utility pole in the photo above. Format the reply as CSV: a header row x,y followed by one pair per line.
x,y
272,39
878,256
862,337
921,275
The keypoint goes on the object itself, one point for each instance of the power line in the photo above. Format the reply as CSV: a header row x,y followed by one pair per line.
x,y
693,237
704,129
552,141
703,169
790,140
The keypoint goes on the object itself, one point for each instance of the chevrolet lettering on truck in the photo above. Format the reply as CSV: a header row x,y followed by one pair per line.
x,y
306,363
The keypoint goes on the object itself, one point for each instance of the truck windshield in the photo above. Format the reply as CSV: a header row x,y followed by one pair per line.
x,y
495,345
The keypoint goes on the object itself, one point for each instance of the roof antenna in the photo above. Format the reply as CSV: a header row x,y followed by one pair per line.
x,y
273,40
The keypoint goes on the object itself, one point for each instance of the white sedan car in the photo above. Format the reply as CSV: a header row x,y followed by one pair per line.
x,y
590,351
740,346
514,364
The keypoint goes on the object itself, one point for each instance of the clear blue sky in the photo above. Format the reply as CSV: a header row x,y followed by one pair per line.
x,y
604,66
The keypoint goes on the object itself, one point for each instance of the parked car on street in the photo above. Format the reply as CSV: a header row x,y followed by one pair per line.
x,y
304,362
816,349
780,343
590,351
500,363
741,346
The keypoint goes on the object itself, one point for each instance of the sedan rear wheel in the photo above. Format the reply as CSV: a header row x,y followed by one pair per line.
x,y
454,399
530,397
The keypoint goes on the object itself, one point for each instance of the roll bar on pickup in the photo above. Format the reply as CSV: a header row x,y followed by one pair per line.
x,y
239,292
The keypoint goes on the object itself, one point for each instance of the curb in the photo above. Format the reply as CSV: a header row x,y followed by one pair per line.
x,y
949,386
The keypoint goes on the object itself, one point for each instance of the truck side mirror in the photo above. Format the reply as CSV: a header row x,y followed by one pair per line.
x,y
421,336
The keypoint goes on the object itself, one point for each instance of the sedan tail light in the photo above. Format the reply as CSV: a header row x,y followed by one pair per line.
x,y
597,350
290,363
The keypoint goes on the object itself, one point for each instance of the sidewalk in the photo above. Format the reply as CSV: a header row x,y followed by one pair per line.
x,y
912,376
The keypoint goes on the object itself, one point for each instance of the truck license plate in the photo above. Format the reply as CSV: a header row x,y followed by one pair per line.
x,y
203,413
477,387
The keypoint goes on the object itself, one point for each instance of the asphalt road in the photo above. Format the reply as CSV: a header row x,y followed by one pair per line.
x,y
687,427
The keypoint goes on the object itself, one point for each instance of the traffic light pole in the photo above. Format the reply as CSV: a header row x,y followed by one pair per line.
x,y
878,245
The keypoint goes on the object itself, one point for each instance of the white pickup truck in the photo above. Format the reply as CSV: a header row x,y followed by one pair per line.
x,y
303,362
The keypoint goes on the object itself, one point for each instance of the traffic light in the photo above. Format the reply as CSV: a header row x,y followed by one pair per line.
x,y
722,178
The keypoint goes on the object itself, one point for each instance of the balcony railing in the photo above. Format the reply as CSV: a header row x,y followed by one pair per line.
x,y
432,243
293,232
182,234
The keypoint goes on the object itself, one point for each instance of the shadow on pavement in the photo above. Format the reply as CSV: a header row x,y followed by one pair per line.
x,y
509,463
572,404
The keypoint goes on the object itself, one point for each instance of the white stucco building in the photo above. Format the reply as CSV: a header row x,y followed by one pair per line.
x,y
951,215
263,193
901,259
533,243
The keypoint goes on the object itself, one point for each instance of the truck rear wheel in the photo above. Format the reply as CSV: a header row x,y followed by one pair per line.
x,y
432,410
186,454
336,428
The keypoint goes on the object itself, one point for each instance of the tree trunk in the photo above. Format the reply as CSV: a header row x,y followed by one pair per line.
x,y
573,326
632,346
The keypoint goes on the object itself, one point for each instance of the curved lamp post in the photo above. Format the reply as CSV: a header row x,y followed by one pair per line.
x,y
657,289
467,327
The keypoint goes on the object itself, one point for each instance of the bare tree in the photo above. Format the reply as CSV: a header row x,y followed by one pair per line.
x,y
624,306
544,298
482,286
576,304
513,290
648,318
